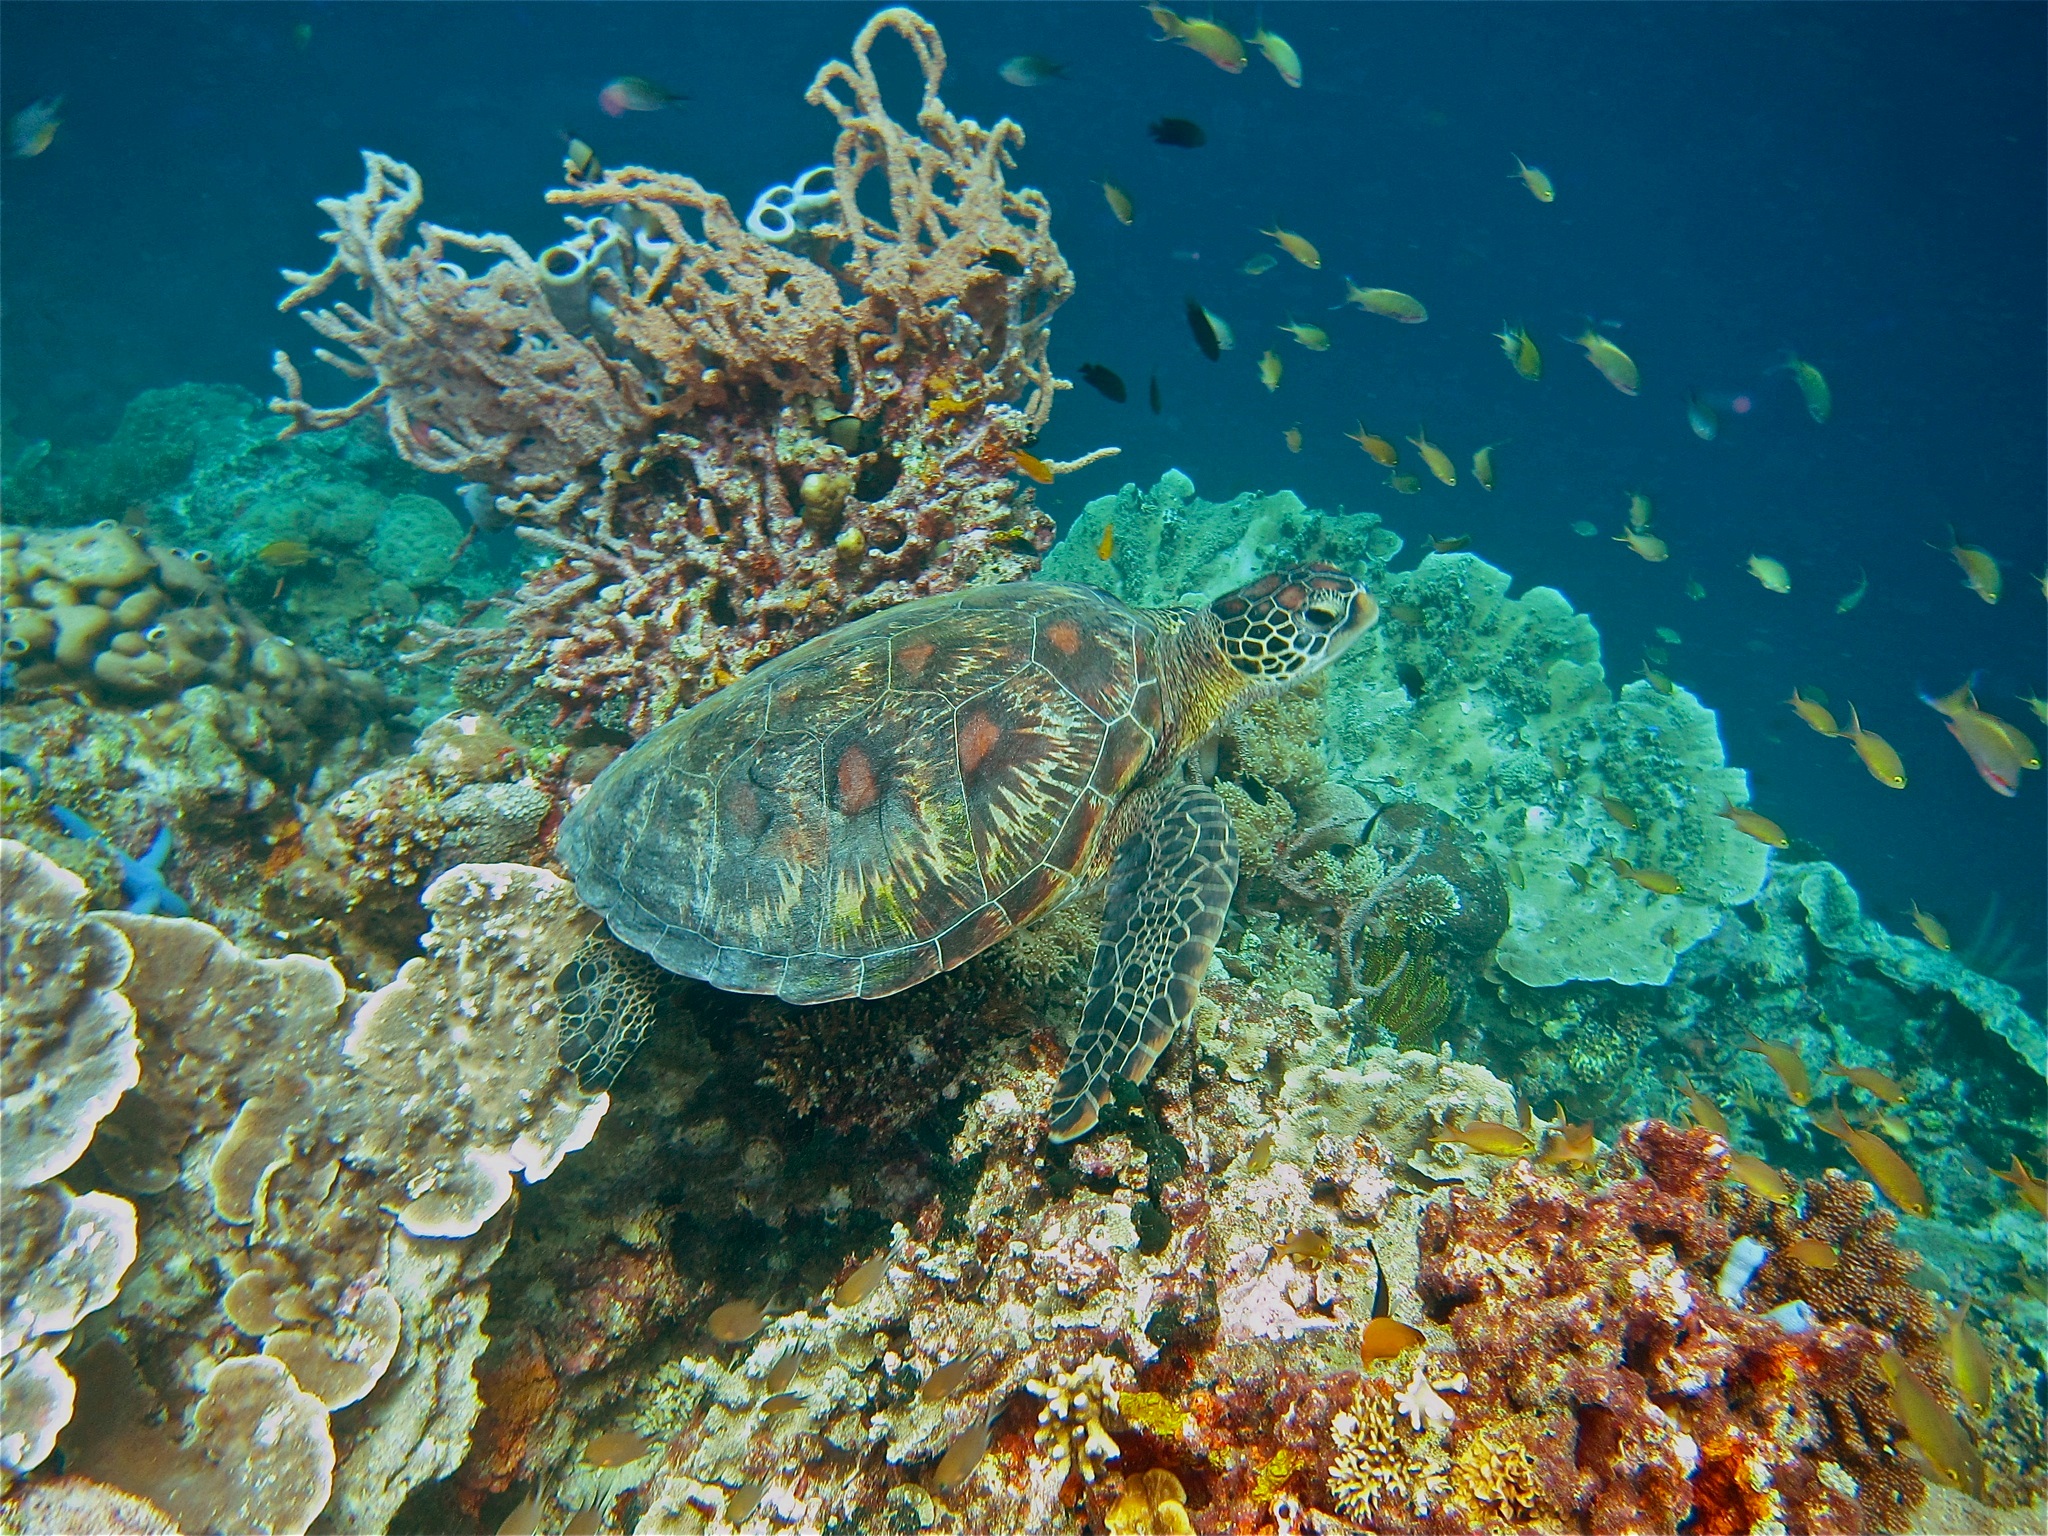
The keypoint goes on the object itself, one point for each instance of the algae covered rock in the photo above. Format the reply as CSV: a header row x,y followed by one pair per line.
x,y
415,542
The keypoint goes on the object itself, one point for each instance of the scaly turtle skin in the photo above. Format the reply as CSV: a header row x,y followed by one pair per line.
x,y
888,800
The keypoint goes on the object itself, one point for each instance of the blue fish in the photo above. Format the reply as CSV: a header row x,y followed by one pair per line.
x,y
142,880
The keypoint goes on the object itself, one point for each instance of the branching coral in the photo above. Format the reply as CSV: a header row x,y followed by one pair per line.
x,y
729,444
1070,1430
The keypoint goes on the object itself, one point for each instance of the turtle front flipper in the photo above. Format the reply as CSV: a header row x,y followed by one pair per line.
x,y
1169,891
607,997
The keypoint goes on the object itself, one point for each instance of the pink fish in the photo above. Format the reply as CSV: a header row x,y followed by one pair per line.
x,y
1998,751
631,93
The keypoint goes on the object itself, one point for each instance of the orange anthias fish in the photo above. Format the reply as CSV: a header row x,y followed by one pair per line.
x,y
1570,1144
2032,1190
1759,1177
1378,448
1870,1080
1813,1253
1384,1337
1878,755
1031,467
1980,571
1751,824
1931,928
1814,714
1887,1170
1786,1063
1656,881
1932,1428
1998,749
1487,1136
1705,1111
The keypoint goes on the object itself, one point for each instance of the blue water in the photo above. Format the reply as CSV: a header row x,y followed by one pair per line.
x,y
1861,183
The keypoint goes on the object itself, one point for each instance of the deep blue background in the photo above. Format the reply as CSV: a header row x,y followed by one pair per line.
x,y
1861,183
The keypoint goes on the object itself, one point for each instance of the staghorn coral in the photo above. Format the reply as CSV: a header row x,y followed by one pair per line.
x,y
657,400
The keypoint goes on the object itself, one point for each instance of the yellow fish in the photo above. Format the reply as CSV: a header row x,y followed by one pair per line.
x,y
1482,466
1969,1362
1438,461
1870,1080
1887,1170
2032,1190
1815,715
1813,1253
1269,369
32,130
1998,749
1538,184
1786,1063
1648,545
1106,546
1293,438
1390,302
1980,571
1217,44
1615,365
1771,573
1031,466
1377,448
1639,510
1656,881
1260,264
1404,483
1705,1111
283,553
1932,1428
1854,595
1878,754
1314,337
1489,1137
1280,54
1620,811
1119,202
1296,247
1820,400
2038,705
1931,928
1759,1177
1570,1144
1750,824
1520,349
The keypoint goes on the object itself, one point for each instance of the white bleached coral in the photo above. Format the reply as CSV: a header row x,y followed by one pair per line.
x,y
1070,1428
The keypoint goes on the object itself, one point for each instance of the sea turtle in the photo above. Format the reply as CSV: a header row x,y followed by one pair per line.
x,y
887,800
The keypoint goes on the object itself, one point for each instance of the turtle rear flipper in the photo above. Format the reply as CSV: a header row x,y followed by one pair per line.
x,y
607,995
1169,891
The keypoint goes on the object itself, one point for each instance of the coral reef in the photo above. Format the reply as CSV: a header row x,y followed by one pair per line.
x,y
321,1177
724,444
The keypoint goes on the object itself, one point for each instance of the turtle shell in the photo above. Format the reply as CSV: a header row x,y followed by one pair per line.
x,y
882,802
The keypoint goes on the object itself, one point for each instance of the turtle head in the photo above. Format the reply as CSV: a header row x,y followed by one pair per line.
x,y
1292,623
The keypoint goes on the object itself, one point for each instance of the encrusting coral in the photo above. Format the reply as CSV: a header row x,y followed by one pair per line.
x,y
728,444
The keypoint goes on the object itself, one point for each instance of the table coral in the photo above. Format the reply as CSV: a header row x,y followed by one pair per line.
x,y
726,444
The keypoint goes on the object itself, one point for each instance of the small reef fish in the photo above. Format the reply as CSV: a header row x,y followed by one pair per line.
x,y
2037,704
1314,337
1648,545
1104,381
736,1322
1813,386
1203,329
633,93
1615,365
744,1500
1931,928
1980,571
1217,44
1869,1079
1932,1428
1307,1245
1750,824
860,1285
1669,635
1438,461
1280,54
1813,1253
1002,261
1640,510
1854,595
945,1379
616,1448
524,1520
1878,754
1404,483
1582,877
1031,467
1657,680
579,162
1701,417
2032,1190
283,554
1814,714
1119,202
1888,1171
587,1521
1384,1337
1482,466
1969,1362
1452,545
1997,749
1705,1112
1389,302
1260,1158
1295,246
1407,613
31,130
1292,437
962,1457
1570,1144
784,1370
1538,184
1585,530
1029,69
1489,1137
781,1402
142,880
1520,349
1786,1063
1771,573
1269,369
1759,1178
1177,133
1656,881
1105,547
1621,811
1260,264
1377,448
1694,590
